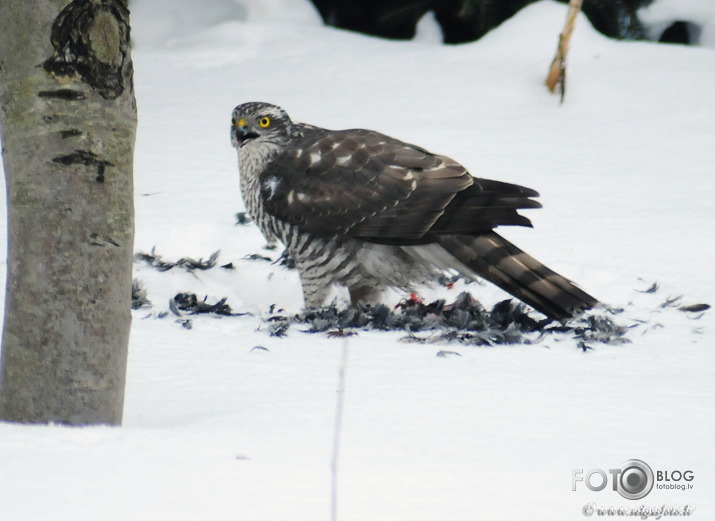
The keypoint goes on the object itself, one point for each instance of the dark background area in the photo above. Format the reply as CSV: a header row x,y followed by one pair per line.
x,y
468,20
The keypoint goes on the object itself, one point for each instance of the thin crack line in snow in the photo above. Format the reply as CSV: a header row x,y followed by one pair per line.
x,y
337,431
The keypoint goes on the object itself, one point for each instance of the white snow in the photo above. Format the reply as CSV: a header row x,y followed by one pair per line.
x,y
215,429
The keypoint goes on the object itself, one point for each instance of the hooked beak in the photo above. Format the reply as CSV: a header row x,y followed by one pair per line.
x,y
241,135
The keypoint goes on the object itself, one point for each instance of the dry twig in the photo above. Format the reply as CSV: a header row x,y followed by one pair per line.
x,y
557,72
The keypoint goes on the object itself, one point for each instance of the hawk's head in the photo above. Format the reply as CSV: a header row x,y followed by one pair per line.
x,y
257,121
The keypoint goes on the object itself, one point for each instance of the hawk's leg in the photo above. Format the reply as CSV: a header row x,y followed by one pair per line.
x,y
364,294
315,290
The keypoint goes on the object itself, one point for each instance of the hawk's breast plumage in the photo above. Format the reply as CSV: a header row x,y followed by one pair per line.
x,y
366,211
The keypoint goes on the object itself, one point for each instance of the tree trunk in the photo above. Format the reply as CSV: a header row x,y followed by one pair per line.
x,y
68,123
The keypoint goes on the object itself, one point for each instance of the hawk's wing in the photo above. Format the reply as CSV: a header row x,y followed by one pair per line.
x,y
364,184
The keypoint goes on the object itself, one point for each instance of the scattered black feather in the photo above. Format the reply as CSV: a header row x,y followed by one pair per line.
x,y
671,302
600,328
259,348
155,261
695,308
190,264
186,323
584,346
278,325
139,295
652,289
340,333
448,281
228,266
189,304
286,260
612,310
257,256
445,354
243,218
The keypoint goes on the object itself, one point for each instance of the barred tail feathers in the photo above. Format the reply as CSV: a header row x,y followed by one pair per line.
x,y
495,259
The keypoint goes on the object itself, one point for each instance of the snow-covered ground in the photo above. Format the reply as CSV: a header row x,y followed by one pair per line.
x,y
215,429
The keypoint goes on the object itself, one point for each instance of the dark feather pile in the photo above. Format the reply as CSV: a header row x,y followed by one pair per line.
x,y
464,320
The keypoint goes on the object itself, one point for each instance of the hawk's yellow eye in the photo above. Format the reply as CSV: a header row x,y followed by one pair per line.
x,y
241,123
264,122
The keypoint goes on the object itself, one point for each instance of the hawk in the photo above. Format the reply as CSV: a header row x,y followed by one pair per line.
x,y
361,210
